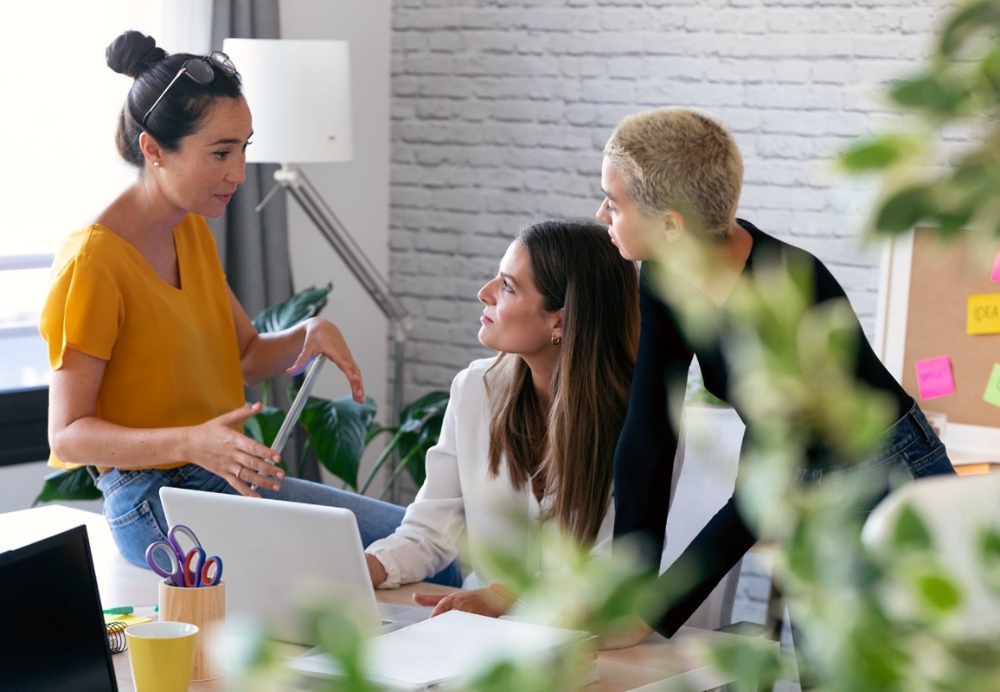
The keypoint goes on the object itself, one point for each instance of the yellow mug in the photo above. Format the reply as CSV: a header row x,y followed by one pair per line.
x,y
162,655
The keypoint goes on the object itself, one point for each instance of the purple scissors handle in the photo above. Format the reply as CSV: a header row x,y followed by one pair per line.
x,y
175,554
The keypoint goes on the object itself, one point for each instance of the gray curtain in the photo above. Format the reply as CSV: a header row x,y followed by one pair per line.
x,y
254,246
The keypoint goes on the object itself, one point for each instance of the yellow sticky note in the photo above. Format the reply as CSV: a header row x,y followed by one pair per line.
x,y
126,619
984,314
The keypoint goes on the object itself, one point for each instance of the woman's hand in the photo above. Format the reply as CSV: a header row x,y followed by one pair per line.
x,y
218,446
323,336
490,602
624,634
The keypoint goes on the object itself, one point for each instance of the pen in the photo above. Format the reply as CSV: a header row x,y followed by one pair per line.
x,y
128,610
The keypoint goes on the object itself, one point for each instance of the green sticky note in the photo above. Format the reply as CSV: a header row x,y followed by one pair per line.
x,y
992,394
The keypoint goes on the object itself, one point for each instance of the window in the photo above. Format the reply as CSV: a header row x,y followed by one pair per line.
x,y
60,166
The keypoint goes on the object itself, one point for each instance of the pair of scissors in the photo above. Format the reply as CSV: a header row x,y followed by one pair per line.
x,y
179,559
197,574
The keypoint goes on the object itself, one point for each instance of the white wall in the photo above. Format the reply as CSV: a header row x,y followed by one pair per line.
x,y
21,483
358,190
501,109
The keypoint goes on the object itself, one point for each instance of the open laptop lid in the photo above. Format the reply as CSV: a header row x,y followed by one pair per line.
x,y
52,634
276,554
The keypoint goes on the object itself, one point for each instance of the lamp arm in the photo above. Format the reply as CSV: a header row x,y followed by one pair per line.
x,y
333,230
330,226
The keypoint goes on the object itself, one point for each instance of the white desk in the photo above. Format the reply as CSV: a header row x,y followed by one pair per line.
x,y
655,665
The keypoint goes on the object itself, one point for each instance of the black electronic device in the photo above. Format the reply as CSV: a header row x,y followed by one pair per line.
x,y
52,634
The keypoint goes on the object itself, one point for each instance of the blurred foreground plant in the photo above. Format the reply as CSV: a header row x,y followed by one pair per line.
x,y
870,619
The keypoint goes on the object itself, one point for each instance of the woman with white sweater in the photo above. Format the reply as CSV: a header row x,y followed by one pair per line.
x,y
531,432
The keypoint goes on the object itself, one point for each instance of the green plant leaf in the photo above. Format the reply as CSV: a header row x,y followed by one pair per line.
x,y
301,306
989,546
902,210
939,592
969,19
751,661
265,425
939,94
419,430
989,558
337,430
75,484
910,532
875,154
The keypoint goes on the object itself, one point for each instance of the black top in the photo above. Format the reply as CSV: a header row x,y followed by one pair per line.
x,y
644,458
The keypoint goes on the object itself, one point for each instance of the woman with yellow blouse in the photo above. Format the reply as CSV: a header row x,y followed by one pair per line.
x,y
149,348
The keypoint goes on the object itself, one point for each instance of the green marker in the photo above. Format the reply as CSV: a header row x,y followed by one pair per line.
x,y
120,610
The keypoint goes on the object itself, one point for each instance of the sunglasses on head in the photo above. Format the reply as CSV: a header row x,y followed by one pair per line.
x,y
200,70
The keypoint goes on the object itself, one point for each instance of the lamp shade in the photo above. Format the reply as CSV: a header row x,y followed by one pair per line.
x,y
299,93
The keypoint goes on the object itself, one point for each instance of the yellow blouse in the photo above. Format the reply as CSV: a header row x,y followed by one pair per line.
x,y
172,355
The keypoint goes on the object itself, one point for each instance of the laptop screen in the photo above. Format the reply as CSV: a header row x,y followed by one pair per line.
x,y
52,633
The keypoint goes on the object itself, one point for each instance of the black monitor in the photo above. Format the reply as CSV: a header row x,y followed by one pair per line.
x,y
52,633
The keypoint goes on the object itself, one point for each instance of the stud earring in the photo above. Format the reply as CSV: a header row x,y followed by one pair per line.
x,y
156,164
556,340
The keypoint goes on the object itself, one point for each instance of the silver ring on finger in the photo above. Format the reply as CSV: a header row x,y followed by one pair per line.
x,y
239,473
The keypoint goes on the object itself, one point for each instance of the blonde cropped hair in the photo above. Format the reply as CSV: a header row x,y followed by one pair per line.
x,y
681,159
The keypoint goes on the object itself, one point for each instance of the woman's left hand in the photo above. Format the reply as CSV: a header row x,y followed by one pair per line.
x,y
624,634
323,336
478,601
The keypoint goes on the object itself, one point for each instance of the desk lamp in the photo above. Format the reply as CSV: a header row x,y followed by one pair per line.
x,y
300,95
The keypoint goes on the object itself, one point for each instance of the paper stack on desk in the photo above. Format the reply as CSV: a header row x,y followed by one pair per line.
x,y
449,648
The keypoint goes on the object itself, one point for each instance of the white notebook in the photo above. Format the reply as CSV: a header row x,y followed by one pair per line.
x,y
448,648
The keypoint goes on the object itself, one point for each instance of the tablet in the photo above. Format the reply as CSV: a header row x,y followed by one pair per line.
x,y
285,431
287,425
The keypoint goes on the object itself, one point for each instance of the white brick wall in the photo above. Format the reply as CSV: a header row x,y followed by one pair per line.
x,y
501,107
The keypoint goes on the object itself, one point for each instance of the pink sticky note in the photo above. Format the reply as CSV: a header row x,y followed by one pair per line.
x,y
934,377
995,276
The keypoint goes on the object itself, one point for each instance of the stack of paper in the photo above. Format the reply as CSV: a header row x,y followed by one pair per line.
x,y
449,648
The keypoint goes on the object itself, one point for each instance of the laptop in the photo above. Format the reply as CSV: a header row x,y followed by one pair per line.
x,y
52,635
278,555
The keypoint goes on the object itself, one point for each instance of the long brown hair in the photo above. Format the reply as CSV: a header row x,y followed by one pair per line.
x,y
568,451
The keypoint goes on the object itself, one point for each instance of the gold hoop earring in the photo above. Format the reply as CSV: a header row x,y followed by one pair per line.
x,y
556,340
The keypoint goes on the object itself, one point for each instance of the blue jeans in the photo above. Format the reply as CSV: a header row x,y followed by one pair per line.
x,y
134,513
909,450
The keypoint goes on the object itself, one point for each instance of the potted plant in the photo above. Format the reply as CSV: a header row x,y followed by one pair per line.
x,y
337,430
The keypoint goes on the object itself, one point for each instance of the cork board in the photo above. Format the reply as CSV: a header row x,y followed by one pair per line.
x,y
923,309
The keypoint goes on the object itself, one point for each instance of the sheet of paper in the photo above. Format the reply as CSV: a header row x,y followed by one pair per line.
x,y
995,275
984,314
992,393
456,644
935,378
447,648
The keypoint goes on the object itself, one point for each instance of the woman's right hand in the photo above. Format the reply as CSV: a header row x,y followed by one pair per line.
x,y
218,446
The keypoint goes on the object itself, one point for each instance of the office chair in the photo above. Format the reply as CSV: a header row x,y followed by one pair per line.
x,y
708,455
954,509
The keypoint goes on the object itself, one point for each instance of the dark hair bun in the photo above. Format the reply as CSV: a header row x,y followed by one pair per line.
x,y
133,53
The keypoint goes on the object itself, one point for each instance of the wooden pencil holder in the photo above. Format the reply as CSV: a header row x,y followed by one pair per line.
x,y
202,606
